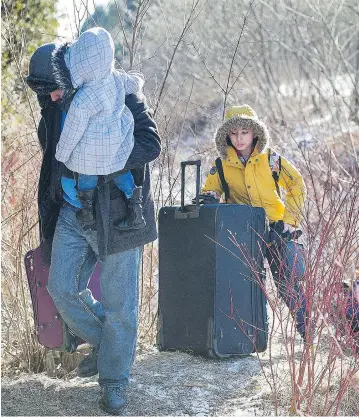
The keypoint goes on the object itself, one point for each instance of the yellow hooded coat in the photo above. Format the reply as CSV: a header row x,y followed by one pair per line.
x,y
253,184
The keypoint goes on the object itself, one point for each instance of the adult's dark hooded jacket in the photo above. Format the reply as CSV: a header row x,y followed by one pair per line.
x,y
110,202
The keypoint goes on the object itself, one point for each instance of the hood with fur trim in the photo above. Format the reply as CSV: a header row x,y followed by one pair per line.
x,y
41,78
62,74
241,121
48,72
60,70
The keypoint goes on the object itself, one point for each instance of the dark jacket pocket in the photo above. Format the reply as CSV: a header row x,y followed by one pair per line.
x,y
118,206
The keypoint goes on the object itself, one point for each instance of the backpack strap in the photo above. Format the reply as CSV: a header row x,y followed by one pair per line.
x,y
275,164
223,180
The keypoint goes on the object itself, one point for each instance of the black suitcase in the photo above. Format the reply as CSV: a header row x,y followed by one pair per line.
x,y
209,301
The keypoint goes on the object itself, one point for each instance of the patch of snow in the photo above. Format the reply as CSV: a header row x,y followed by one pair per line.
x,y
199,405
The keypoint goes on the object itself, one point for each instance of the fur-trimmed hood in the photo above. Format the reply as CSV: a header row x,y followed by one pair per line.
x,y
41,77
48,72
241,117
62,73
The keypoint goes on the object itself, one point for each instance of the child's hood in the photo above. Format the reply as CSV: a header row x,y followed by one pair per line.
x,y
91,57
241,117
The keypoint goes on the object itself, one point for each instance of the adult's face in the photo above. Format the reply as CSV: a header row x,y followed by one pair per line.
x,y
56,95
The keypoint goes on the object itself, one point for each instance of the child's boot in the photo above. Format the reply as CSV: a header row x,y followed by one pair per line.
x,y
86,214
135,219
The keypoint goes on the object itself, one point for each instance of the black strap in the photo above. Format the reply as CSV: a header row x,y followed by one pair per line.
x,y
76,178
275,174
223,180
101,179
225,186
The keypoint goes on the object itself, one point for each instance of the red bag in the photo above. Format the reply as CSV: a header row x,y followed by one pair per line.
x,y
51,330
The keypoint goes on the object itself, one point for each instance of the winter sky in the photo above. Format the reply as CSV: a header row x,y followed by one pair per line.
x,y
67,19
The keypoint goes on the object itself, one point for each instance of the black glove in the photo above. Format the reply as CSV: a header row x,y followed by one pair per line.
x,y
293,235
276,233
206,199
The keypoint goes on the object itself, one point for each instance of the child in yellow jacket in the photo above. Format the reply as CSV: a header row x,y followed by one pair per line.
x,y
254,174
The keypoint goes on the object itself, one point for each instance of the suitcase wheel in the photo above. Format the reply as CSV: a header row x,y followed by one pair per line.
x,y
211,354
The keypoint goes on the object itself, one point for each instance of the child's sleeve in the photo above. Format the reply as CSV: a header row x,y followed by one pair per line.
x,y
75,125
133,82
292,181
213,182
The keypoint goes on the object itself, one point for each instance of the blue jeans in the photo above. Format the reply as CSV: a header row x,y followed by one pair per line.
x,y
288,267
124,182
110,325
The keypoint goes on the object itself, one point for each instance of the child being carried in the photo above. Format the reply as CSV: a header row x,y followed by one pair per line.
x,y
97,136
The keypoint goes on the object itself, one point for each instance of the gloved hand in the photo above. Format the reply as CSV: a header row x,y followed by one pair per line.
x,y
209,197
280,230
288,228
290,233
275,232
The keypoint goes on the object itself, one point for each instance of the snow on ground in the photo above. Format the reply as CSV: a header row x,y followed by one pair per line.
x,y
166,383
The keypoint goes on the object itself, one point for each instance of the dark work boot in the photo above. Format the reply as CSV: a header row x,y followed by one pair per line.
x,y
88,366
86,214
112,399
134,219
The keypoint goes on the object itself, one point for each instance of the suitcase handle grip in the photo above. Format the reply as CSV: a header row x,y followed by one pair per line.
x,y
183,180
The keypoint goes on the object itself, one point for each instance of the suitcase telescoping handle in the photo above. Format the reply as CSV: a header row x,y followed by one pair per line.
x,y
183,213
